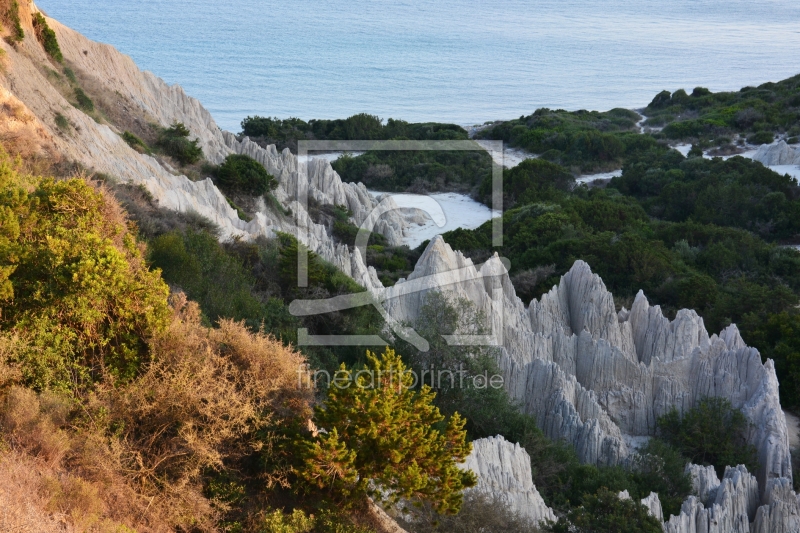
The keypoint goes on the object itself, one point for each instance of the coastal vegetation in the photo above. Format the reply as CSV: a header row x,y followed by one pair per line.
x,y
757,113
10,19
284,133
47,37
417,171
586,141
243,174
175,142
144,412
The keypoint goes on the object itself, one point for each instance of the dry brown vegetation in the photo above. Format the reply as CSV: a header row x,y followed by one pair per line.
x,y
21,134
135,455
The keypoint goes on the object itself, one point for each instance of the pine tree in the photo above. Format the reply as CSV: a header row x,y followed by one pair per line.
x,y
383,441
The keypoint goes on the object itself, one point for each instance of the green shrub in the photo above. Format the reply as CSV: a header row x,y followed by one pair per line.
x,y
606,512
135,142
479,514
174,142
47,37
195,262
241,173
301,522
777,337
695,151
793,140
62,122
762,137
84,102
386,440
74,284
711,433
12,18
70,74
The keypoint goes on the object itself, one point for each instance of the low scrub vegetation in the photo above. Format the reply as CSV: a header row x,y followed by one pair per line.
x,y
47,37
175,142
586,140
11,20
135,142
285,133
711,433
755,112
84,102
417,171
245,175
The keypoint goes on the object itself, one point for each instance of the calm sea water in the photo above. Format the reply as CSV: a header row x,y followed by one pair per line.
x,y
462,61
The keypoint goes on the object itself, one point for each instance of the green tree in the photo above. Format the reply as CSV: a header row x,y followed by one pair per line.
x,y
174,141
384,439
711,433
778,338
241,173
605,512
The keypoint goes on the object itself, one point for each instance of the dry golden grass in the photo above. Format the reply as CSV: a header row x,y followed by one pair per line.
x,y
24,507
136,454
23,136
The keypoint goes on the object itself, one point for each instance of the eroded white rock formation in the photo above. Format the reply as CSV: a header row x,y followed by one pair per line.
x,y
652,503
144,97
504,471
778,153
595,376
590,375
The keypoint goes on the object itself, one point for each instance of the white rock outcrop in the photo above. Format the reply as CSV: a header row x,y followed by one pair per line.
x,y
597,377
591,375
145,97
652,502
731,509
778,153
504,471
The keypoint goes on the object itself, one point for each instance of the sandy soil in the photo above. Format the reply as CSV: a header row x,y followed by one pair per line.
x,y
449,211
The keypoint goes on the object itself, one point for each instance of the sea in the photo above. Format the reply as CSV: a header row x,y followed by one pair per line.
x,y
460,61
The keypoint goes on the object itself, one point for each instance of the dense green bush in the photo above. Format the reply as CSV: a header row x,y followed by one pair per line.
x,y
11,17
589,140
531,180
174,142
762,137
416,171
767,109
135,142
386,440
194,262
84,102
286,132
47,37
737,192
777,337
605,511
242,173
711,433
73,283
